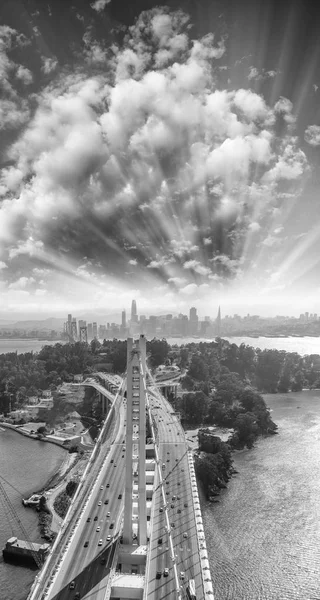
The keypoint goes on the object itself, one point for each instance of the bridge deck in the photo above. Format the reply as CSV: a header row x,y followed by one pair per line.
x,y
178,491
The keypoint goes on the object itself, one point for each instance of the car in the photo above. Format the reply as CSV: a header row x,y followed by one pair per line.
x,y
108,485
100,543
98,528
172,524
120,496
179,511
185,535
160,509
86,544
101,487
182,574
108,514
99,503
166,572
114,465
111,460
158,575
160,541
72,585
174,498
185,504
172,505
106,501
122,456
77,596
108,538
178,497
111,526
96,518
88,519
103,560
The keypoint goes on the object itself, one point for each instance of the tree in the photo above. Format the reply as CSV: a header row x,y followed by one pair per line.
x,y
298,382
268,370
198,369
42,429
195,405
246,429
158,352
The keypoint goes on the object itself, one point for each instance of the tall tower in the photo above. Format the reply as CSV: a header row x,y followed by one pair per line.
x,y
134,316
123,319
218,323
136,439
69,325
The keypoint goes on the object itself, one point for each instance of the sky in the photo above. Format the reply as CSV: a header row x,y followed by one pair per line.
x,y
167,153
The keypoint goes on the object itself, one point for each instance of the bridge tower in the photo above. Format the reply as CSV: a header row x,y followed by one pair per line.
x,y
136,439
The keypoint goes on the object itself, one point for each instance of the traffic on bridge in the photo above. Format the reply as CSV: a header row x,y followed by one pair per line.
x,y
134,528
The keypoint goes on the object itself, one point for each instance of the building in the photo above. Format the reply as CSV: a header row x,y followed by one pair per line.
x,y
134,315
193,321
95,331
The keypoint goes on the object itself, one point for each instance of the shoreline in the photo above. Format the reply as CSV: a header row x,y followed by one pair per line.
x,y
32,436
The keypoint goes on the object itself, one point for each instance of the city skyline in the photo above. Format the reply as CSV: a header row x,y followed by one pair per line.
x,y
179,167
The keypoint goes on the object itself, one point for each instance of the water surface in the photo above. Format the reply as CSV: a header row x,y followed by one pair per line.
x,y
264,537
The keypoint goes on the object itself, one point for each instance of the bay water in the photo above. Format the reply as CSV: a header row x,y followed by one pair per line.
x,y
263,537
25,466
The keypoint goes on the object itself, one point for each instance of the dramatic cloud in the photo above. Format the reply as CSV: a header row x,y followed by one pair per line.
x,y
312,135
135,157
99,5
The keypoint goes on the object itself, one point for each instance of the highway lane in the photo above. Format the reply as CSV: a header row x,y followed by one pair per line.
x,y
83,564
178,493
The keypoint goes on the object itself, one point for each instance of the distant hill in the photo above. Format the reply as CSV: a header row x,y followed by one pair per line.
x,y
44,325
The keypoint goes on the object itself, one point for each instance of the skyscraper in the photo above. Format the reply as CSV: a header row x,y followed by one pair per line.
x,y
134,316
123,319
193,321
218,323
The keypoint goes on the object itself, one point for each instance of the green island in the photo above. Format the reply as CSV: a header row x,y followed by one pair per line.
x,y
221,387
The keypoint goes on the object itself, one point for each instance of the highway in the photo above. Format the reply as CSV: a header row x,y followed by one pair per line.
x,y
177,490
86,562
84,571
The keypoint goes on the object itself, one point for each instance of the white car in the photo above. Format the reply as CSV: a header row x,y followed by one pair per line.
x,y
108,538
98,529
182,575
99,503
108,514
101,487
100,543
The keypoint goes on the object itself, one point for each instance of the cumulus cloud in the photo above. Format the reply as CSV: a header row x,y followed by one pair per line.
x,y
254,226
144,160
22,283
14,110
312,135
99,5
49,64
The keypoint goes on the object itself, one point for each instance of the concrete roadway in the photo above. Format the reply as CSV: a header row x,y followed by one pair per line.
x,y
83,564
178,484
